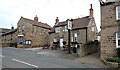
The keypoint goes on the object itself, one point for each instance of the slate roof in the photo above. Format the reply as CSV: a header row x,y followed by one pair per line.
x,y
44,25
10,31
77,23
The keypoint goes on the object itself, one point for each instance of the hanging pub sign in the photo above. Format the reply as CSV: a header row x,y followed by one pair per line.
x,y
69,24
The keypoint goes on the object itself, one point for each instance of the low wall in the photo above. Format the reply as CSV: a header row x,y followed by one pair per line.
x,y
89,49
8,44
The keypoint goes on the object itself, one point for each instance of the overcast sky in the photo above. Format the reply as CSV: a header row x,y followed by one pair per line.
x,y
46,10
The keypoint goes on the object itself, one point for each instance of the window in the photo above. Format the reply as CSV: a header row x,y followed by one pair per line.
x,y
117,12
55,40
118,40
20,39
93,29
19,28
75,37
66,29
58,29
23,28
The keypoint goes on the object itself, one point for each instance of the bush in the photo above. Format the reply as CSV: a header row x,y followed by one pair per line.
x,y
64,42
74,49
118,51
89,42
113,59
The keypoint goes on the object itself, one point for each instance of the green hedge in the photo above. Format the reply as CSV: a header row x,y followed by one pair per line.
x,y
113,59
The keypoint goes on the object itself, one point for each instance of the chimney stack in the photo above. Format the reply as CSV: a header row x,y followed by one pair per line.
x,y
57,20
36,18
91,11
12,27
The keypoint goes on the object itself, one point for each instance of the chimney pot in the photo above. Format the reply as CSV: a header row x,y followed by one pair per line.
x,y
57,20
36,18
91,11
12,27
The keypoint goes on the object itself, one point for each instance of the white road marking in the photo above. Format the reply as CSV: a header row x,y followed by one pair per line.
x,y
2,56
25,63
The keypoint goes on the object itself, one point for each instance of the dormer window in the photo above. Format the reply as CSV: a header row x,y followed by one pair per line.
x,y
118,13
58,29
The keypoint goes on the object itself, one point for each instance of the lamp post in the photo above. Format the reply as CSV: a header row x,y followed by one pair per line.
x,y
69,27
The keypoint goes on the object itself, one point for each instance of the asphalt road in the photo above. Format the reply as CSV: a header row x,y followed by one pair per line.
x,y
18,58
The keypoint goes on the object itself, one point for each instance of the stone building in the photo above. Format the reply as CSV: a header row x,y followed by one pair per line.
x,y
110,28
32,33
83,29
9,37
3,30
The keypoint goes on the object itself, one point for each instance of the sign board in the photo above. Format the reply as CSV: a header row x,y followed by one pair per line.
x,y
27,42
20,35
69,25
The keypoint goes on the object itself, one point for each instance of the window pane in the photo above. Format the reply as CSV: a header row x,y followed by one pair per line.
x,y
118,42
118,15
118,8
118,34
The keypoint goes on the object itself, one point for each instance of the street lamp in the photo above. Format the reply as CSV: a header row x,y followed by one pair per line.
x,y
69,27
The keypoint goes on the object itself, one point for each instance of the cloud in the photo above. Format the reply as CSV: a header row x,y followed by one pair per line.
x,y
46,10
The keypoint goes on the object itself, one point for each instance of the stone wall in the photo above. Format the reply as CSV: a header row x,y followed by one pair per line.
x,y
88,49
109,27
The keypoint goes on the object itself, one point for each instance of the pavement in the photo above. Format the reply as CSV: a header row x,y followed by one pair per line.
x,y
93,59
21,58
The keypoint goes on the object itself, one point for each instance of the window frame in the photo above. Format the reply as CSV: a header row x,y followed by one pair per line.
x,y
117,39
58,29
19,29
117,13
23,28
66,29
20,40
75,37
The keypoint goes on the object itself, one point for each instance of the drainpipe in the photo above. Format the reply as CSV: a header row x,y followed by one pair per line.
x,y
86,34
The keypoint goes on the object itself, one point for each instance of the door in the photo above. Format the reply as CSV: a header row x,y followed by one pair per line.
x,y
61,42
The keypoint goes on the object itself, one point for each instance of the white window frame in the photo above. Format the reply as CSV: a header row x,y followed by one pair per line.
x,y
75,37
66,28
93,28
117,38
117,12
55,40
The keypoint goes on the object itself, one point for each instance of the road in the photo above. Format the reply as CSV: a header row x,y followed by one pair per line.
x,y
20,58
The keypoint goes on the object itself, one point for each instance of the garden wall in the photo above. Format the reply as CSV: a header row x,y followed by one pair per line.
x,y
89,49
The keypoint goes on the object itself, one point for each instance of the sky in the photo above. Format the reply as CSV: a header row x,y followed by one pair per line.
x,y
46,10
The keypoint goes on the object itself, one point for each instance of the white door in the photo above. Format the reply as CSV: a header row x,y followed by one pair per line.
x,y
61,42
